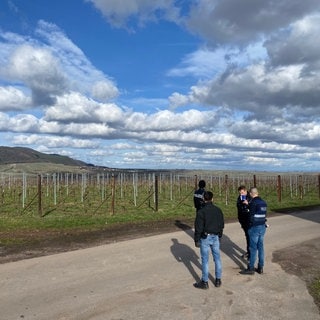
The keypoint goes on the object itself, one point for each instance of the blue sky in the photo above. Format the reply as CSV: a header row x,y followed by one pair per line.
x,y
163,84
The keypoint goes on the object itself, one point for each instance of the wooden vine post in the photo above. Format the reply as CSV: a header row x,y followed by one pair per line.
x,y
156,191
39,196
279,188
113,194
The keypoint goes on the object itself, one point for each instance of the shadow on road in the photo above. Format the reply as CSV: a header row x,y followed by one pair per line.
x,y
188,257
233,251
185,227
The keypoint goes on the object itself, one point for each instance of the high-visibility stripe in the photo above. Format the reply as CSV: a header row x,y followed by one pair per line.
x,y
259,215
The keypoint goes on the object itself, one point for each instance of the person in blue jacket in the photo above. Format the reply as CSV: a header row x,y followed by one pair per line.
x,y
256,231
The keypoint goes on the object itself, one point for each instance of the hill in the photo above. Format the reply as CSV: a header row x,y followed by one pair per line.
x,y
13,156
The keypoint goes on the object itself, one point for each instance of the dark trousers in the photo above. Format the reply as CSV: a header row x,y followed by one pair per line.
x,y
245,229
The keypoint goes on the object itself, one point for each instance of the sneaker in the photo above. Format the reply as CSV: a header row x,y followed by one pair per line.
x,y
259,270
247,271
217,283
201,285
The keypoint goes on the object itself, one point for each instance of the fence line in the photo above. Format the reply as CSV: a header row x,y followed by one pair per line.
x,y
92,192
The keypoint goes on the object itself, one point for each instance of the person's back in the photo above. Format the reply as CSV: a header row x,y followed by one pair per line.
x,y
258,211
256,231
209,224
210,218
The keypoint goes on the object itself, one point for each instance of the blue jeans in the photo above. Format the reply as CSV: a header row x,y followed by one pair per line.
x,y
212,243
256,235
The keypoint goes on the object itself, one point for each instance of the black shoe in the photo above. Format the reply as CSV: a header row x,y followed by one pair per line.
x,y
201,285
259,270
217,283
247,271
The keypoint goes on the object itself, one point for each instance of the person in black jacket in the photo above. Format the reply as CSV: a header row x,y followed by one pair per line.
x,y
198,195
243,215
257,230
208,225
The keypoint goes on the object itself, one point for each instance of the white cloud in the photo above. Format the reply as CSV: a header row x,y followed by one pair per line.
x,y
104,90
51,66
74,107
38,70
52,142
12,98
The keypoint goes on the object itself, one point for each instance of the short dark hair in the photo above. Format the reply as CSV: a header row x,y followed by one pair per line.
x,y
208,196
242,187
202,184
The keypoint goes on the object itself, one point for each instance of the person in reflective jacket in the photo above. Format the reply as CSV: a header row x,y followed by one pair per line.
x,y
256,231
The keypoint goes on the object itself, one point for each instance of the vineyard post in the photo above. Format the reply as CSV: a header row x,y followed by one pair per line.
x,y
156,193
300,188
195,182
113,193
254,181
279,188
227,189
39,196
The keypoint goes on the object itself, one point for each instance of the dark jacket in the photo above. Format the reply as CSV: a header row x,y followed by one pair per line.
x,y
243,212
209,219
258,211
198,198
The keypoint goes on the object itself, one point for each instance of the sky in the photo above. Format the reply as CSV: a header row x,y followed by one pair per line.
x,y
164,84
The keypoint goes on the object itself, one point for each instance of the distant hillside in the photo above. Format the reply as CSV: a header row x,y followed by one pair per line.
x,y
16,155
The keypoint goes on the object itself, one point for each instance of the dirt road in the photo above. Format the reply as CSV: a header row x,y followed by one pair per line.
x,y
152,277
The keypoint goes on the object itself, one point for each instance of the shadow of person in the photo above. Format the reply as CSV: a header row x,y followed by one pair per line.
x,y
188,257
233,251
185,227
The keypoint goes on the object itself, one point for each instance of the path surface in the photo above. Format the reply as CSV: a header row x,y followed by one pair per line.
x,y
152,278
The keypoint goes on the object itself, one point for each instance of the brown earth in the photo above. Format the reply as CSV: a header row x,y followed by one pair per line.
x,y
302,260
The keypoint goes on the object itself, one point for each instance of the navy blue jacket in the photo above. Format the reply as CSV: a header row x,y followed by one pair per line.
x,y
243,211
258,212
198,198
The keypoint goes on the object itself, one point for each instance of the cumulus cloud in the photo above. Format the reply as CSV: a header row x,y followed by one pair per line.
x,y
52,67
11,98
39,71
74,107
232,22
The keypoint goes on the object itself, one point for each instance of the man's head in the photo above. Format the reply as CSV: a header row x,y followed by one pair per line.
x,y
242,190
208,196
254,192
202,184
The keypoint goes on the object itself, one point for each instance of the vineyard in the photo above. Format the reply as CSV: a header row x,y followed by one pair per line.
x,y
113,194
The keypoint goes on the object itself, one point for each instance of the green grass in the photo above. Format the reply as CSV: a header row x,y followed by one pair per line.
x,y
315,290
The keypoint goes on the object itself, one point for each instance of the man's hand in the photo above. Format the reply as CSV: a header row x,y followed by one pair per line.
x,y
220,234
197,244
